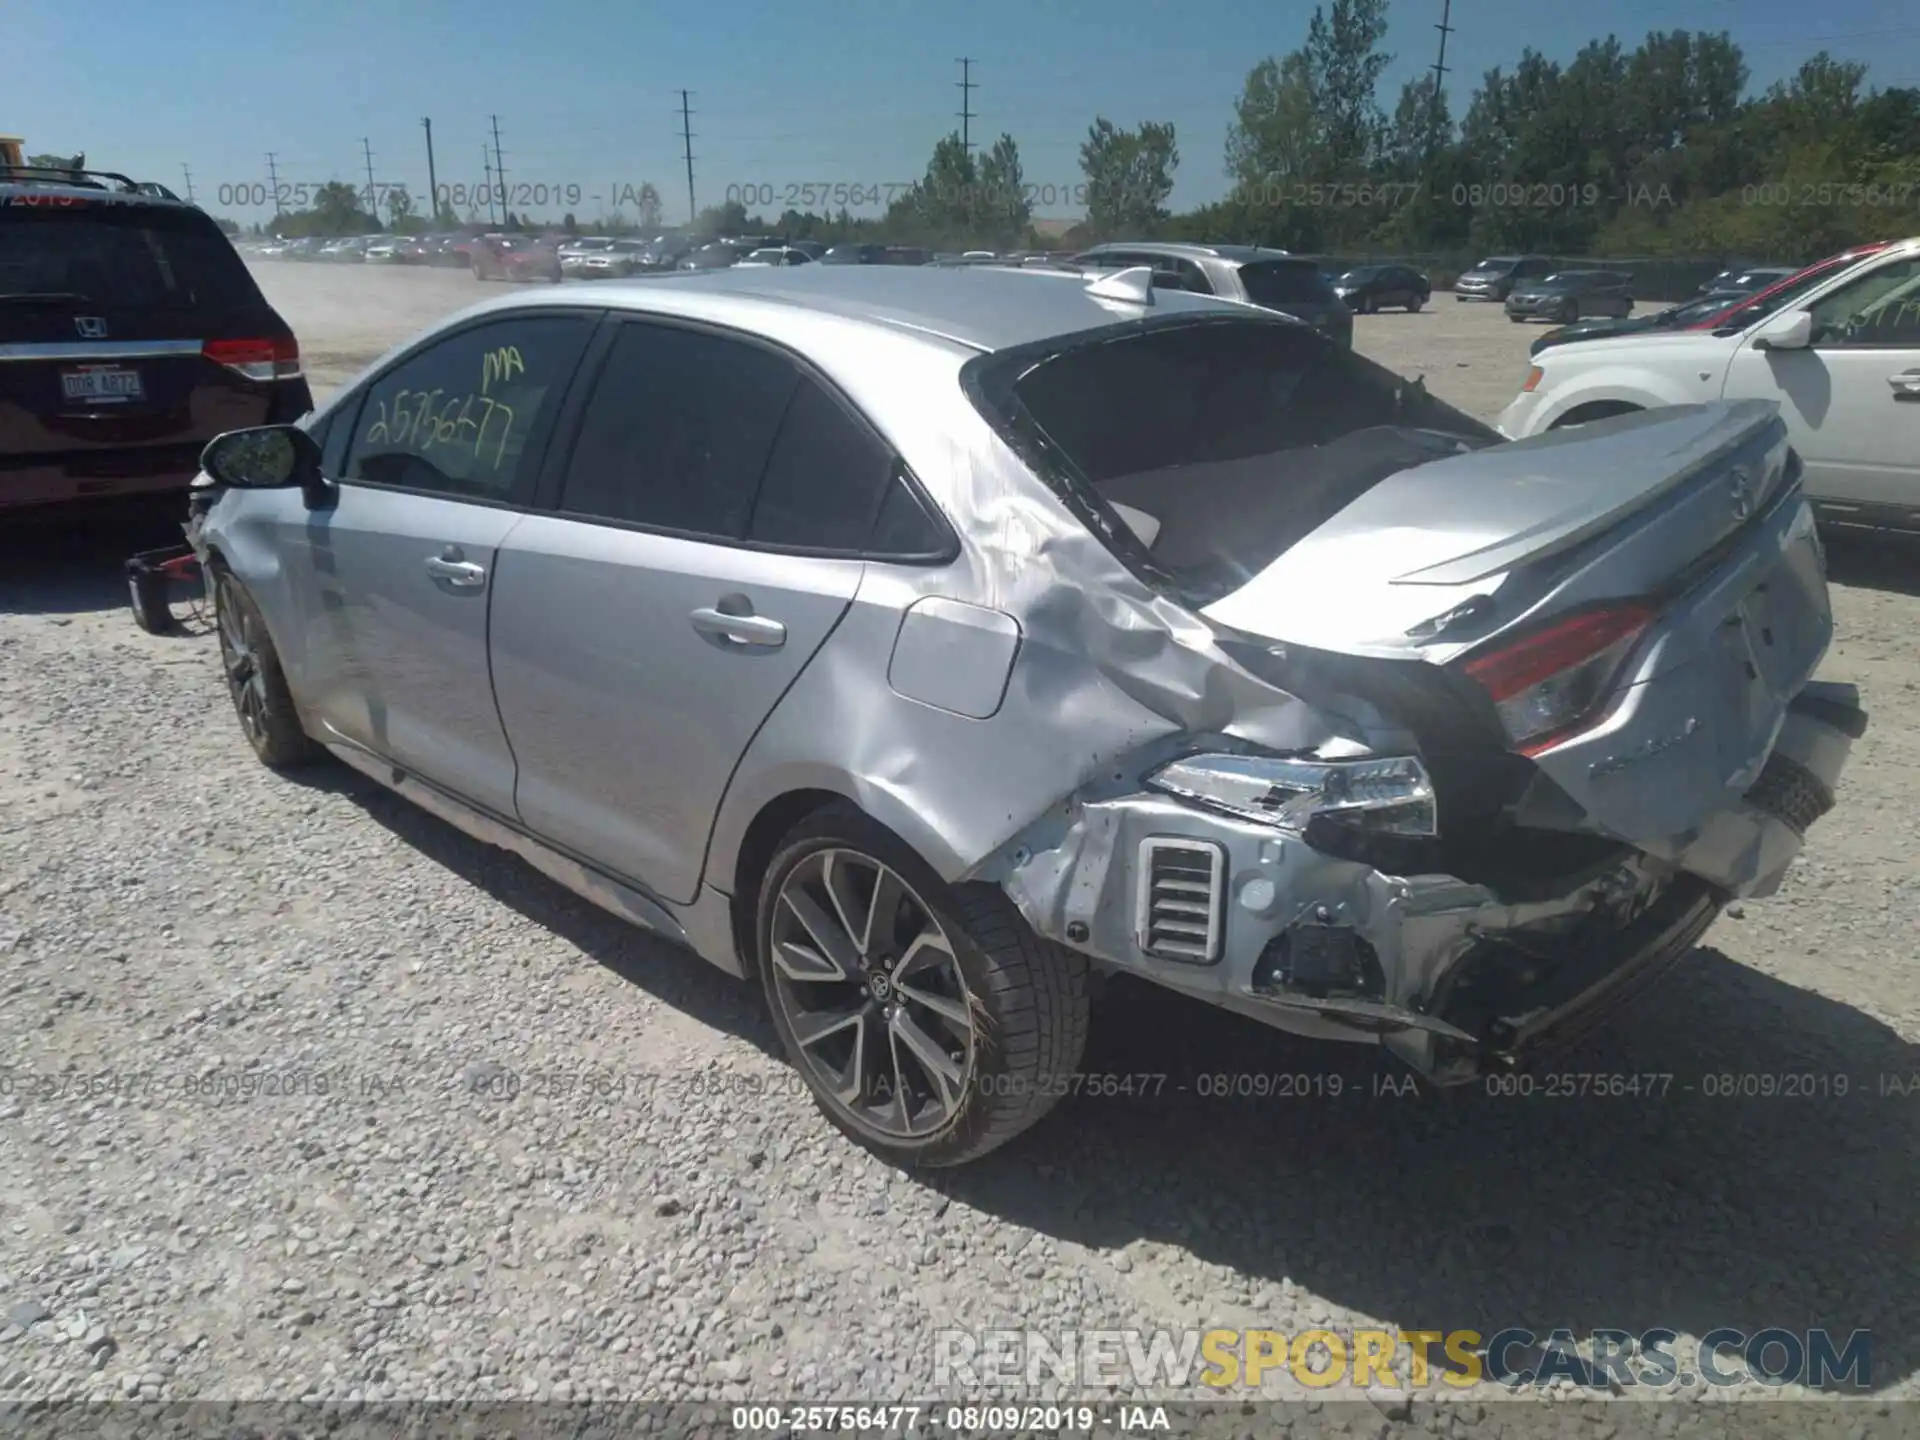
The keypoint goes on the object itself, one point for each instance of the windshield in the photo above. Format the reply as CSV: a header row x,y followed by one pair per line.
x,y
1279,283
122,256
1498,264
1238,437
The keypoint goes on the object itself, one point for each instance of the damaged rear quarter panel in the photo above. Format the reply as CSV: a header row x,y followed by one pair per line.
x,y
1106,668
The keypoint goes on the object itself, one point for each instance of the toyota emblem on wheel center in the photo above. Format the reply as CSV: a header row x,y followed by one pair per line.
x,y
91,327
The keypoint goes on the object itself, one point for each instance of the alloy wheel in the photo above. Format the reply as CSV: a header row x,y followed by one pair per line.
x,y
871,990
246,681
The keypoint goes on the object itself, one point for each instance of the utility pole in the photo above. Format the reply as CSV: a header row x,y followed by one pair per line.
x,y
486,159
499,167
1439,75
273,180
966,87
189,174
686,144
373,195
433,181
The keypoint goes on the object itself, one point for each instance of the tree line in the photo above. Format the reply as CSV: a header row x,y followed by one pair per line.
x,y
1657,149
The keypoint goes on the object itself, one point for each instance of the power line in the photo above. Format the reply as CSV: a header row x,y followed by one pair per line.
x,y
189,174
499,166
966,87
433,181
1445,27
273,180
686,142
486,160
373,201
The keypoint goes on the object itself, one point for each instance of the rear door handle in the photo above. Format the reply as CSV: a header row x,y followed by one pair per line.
x,y
456,571
1906,385
755,630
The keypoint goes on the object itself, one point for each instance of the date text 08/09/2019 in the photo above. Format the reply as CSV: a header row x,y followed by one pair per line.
x,y
459,195
1046,1419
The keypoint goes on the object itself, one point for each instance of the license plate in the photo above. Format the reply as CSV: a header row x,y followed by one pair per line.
x,y
101,384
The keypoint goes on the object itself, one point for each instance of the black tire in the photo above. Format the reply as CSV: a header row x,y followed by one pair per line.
x,y
148,596
1366,305
1413,304
1026,999
255,682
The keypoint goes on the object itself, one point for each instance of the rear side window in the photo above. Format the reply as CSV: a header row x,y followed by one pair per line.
x,y
678,431
825,479
118,256
1277,284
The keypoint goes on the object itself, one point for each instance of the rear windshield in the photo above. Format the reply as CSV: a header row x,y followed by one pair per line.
x,y
119,256
1277,283
1236,437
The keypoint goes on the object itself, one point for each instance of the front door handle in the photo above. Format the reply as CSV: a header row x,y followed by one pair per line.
x,y
1906,385
748,629
455,571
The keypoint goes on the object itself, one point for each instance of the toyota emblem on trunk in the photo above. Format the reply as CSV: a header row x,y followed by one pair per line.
x,y
91,327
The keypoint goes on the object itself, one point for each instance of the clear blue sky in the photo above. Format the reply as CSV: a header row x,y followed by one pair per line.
x,y
784,93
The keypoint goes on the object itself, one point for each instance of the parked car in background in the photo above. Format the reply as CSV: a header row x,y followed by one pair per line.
x,y
573,253
1372,287
718,255
351,249
1254,275
387,250
664,252
1569,295
618,260
1693,314
514,257
1728,311
1747,280
928,639
908,255
1495,277
133,334
855,255
1841,361
777,255
812,249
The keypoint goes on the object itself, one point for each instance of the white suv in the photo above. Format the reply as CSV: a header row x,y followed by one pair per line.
x,y
1843,364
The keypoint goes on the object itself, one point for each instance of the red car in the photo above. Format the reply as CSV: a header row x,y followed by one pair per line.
x,y
514,257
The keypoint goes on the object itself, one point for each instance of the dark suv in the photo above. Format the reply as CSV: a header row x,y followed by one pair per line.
x,y
1495,277
131,333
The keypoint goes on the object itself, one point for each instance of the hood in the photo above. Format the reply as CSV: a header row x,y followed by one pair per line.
x,y
1427,539
1639,343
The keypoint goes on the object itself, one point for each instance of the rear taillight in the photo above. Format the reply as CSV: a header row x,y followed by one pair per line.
x,y
256,359
1544,685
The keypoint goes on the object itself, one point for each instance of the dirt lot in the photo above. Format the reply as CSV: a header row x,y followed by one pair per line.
x,y
359,1206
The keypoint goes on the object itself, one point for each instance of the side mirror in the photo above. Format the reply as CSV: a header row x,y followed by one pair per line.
x,y
265,457
1791,330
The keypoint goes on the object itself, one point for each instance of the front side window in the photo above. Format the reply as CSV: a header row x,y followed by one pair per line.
x,y
456,418
1878,310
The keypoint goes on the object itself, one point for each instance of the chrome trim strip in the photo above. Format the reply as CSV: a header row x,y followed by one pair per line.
x,y
93,350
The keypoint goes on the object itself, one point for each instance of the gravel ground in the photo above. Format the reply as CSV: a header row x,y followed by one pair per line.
x,y
467,1137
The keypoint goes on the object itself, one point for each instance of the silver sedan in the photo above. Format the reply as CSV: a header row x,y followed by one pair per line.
x,y
921,642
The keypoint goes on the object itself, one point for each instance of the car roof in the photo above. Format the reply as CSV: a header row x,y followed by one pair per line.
x,y
982,307
1236,254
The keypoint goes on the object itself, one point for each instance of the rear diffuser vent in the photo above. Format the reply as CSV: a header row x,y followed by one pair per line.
x,y
1177,914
